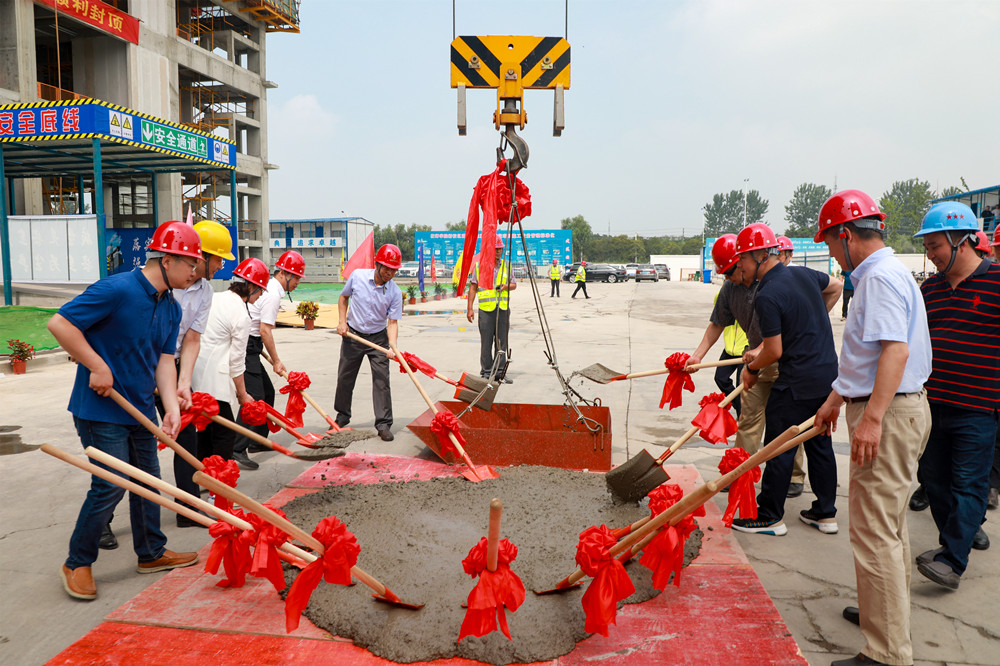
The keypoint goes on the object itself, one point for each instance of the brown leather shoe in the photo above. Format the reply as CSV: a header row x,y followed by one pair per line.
x,y
169,560
79,583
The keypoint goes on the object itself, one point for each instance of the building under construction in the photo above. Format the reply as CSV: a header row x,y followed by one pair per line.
x,y
200,65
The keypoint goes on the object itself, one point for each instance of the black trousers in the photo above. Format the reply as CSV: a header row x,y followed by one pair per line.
x,y
216,439
579,286
351,355
555,288
846,296
723,379
493,329
188,439
259,386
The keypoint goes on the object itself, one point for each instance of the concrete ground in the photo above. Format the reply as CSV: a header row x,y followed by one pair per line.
x,y
628,327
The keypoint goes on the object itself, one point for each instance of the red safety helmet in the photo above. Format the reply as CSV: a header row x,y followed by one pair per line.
x,y
996,236
389,256
583,263
848,206
254,271
175,237
556,261
291,262
724,253
785,243
756,236
983,242
499,244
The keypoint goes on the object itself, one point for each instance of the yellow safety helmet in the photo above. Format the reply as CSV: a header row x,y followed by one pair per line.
x,y
215,239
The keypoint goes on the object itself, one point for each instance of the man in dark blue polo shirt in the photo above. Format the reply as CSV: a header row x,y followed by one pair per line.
x,y
123,333
795,326
963,314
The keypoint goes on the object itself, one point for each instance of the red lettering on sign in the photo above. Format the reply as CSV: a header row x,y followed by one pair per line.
x,y
26,122
71,120
49,120
6,123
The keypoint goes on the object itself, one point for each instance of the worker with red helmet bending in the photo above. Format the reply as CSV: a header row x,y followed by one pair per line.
x,y
123,333
376,306
288,271
884,361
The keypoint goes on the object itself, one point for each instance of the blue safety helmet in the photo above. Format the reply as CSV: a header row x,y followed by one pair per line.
x,y
948,216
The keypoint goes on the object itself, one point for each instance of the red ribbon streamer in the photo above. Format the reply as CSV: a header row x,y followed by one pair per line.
x,y
610,585
664,555
231,549
442,424
297,382
417,363
226,471
266,563
677,380
742,495
495,591
255,413
203,407
716,423
340,553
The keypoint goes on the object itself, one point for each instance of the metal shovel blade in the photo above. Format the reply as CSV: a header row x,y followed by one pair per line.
x,y
482,472
601,374
320,453
473,386
633,479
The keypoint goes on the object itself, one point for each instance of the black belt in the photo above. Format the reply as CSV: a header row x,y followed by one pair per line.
x,y
866,398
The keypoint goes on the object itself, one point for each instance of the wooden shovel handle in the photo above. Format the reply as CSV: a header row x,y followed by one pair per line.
x,y
155,429
717,364
369,343
697,366
305,395
690,433
250,434
493,534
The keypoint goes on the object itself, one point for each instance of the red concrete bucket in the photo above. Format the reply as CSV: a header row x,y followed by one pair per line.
x,y
523,434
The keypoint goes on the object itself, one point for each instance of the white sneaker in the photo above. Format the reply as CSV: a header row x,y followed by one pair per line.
x,y
824,525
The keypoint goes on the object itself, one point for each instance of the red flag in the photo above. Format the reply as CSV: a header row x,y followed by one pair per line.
x,y
434,275
363,257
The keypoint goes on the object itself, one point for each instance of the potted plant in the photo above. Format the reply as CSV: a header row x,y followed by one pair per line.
x,y
438,292
423,297
20,354
411,293
308,310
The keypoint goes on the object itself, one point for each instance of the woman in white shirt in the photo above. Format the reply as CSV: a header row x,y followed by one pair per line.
x,y
221,360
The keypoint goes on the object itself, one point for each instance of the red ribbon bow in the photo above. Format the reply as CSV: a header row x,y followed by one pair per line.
x,y
495,590
665,553
203,407
442,424
742,495
677,380
266,563
226,471
716,423
417,363
610,585
255,413
297,382
231,549
340,554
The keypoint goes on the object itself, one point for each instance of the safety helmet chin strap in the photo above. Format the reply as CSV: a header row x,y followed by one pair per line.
x,y
847,251
757,267
954,249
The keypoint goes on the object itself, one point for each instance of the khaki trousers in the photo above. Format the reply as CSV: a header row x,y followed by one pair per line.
x,y
877,502
751,422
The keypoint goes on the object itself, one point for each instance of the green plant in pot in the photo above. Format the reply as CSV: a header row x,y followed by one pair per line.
x,y
411,293
308,310
20,353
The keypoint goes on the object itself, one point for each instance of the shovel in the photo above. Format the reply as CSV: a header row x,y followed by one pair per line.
x,y
473,474
673,514
334,428
316,452
633,479
155,429
382,593
605,375
469,387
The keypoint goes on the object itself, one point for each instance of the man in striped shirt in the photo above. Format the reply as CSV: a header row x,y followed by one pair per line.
x,y
963,315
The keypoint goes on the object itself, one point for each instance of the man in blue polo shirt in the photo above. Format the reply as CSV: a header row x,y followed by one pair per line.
x,y
884,362
963,313
795,326
123,333
376,306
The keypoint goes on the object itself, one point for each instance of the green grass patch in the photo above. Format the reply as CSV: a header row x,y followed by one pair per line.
x,y
27,324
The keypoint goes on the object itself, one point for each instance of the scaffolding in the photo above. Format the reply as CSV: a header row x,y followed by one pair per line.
x,y
279,15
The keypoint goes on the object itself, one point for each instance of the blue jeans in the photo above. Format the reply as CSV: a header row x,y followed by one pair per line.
x,y
955,472
784,411
136,446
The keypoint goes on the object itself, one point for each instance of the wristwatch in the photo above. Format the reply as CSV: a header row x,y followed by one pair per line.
x,y
751,370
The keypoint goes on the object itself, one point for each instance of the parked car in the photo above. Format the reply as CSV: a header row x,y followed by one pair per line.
x,y
630,271
646,272
662,271
409,269
596,273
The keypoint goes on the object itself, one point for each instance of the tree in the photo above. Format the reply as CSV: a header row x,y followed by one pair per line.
x,y
951,191
725,213
400,236
455,226
802,211
904,206
582,235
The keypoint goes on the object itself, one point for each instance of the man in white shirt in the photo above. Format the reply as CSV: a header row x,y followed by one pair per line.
x,y
289,270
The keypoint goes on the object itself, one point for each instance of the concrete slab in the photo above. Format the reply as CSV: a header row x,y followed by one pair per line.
x,y
631,327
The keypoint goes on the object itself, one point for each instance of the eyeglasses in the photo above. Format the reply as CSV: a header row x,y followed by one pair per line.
x,y
729,273
193,265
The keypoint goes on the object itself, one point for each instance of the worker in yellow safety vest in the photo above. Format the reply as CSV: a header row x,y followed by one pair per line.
x,y
735,342
554,275
581,279
494,314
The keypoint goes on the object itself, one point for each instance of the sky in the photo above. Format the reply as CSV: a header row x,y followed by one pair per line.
x,y
670,102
